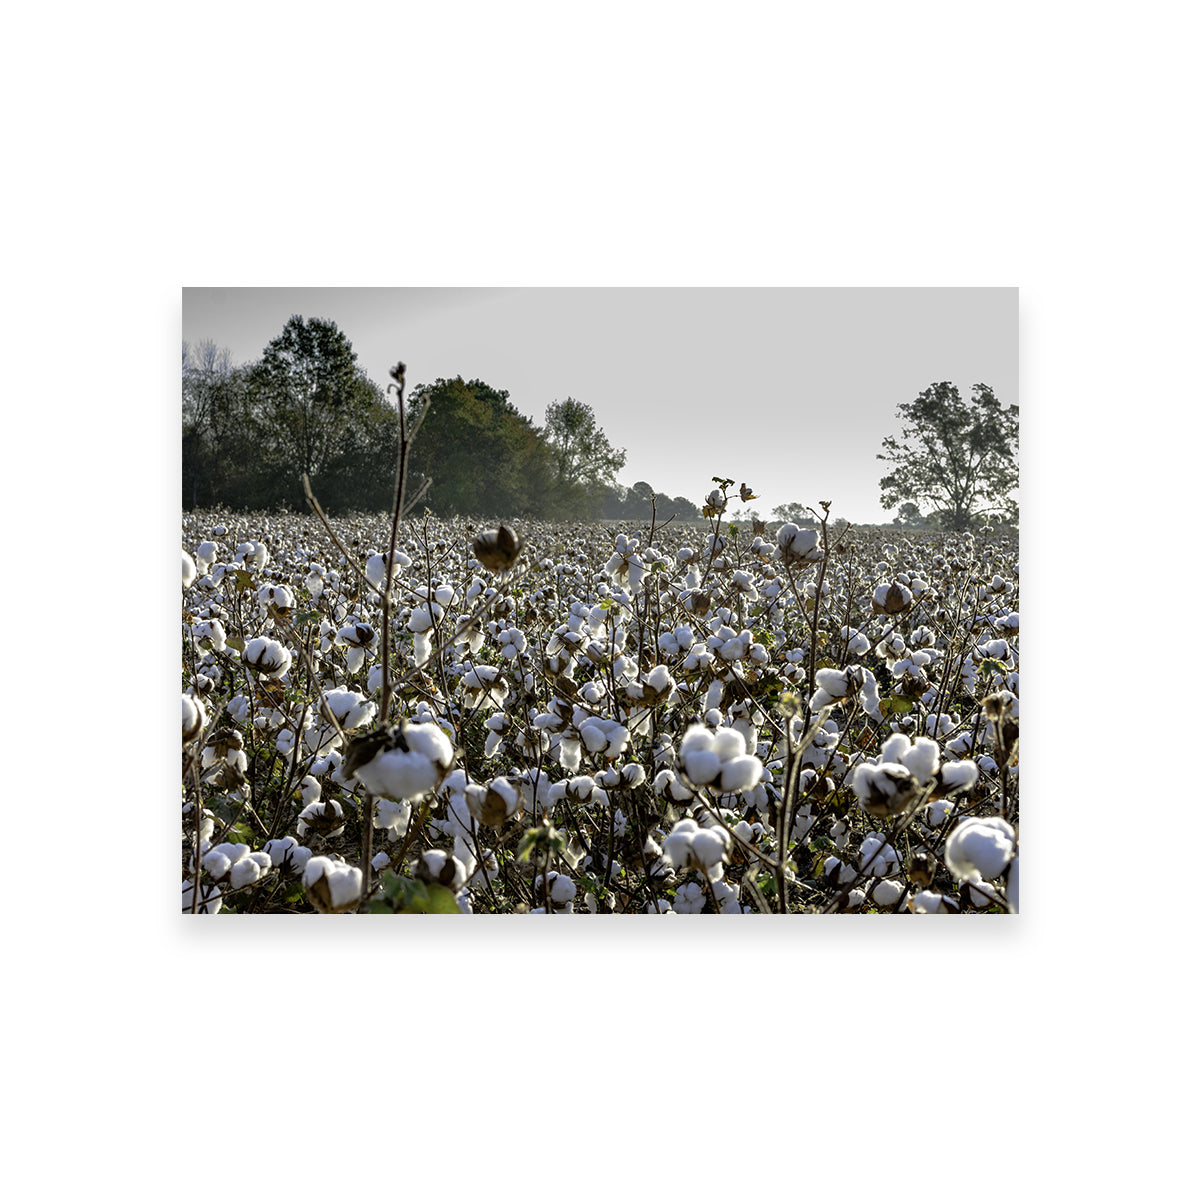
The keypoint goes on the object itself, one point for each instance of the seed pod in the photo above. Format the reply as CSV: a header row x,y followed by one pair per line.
x,y
498,549
921,868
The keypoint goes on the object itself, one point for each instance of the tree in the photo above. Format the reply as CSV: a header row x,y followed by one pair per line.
x,y
585,462
214,414
797,514
959,454
310,399
909,516
485,457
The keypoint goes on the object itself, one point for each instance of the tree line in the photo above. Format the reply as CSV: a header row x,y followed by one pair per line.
x,y
306,407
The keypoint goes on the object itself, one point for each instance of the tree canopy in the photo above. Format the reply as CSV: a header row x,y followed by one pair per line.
x,y
960,454
585,462
485,457
307,408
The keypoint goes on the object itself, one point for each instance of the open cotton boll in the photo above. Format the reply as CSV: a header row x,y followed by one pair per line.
x,y
210,898
392,815
886,893
377,567
331,886
930,901
248,870
405,774
980,847
194,717
740,773
268,657
921,759
189,570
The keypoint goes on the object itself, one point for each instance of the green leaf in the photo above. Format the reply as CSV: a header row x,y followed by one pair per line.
x,y
403,896
895,704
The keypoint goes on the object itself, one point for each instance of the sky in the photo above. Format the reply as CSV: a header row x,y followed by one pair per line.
x,y
791,390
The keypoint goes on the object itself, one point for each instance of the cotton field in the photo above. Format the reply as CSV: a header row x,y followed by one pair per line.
x,y
551,719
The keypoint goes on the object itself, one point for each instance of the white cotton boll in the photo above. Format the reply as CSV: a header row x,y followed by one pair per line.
x,y
980,846
210,898
710,846
729,743
858,644
921,759
351,709
189,570
216,863
593,736
392,815
570,753
381,860
421,621
562,889
714,695
978,894
887,893
633,775
660,908
701,766
268,657
677,844
345,885
206,554
840,872
405,774
194,717
689,898
877,858
245,872
893,749
930,901
279,849
740,774
955,776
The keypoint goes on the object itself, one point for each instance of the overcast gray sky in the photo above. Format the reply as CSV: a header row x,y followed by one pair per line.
x,y
790,390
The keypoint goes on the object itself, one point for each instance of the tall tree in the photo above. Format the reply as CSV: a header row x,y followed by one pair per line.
x,y
585,462
959,454
309,394
213,417
485,457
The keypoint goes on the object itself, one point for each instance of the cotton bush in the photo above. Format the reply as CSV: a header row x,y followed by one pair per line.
x,y
579,720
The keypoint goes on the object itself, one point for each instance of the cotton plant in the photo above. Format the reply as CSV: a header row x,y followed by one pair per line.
x,y
575,698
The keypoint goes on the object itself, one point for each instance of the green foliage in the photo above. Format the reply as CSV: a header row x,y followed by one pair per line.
x,y
960,454
586,464
403,895
485,457
250,433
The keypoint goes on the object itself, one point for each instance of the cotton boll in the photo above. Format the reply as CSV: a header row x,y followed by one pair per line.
x,y
886,893
331,886
189,570
689,898
404,774
210,898
216,864
932,902
321,817
741,773
980,847
268,657
921,759
194,716
245,872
